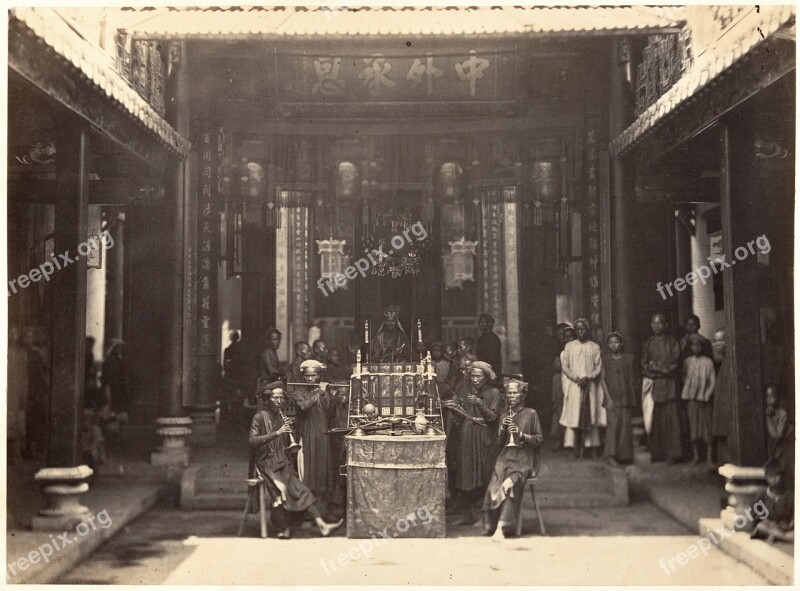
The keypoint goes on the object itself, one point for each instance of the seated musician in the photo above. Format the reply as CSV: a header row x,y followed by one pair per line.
x,y
391,343
268,439
503,500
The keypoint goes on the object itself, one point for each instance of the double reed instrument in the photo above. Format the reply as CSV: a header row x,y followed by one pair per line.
x,y
293,445
512,437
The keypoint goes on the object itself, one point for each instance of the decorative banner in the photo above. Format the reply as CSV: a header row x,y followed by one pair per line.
x,y
208,238
591,220
465,74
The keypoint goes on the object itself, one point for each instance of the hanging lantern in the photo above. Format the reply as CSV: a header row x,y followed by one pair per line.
x,y
347,184
333,261
449,180
544,180
459,264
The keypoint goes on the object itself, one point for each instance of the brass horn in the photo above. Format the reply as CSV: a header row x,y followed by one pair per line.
x,y
293,445
512,439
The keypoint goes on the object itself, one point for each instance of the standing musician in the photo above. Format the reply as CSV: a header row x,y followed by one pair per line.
x,y
503,500
477,447
313,405
269,439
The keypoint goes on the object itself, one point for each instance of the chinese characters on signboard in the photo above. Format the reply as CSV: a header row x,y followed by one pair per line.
x,y
208,225
466,74
591,222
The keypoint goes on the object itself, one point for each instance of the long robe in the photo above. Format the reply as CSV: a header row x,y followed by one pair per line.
x,y
269,366
722,413
312,423
477,449
516,463
488,349
620,384
269,449
581,360
386,347
660,356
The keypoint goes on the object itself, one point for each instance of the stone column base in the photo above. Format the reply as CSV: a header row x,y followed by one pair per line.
x,y
173,451
744,486
63,488
204,426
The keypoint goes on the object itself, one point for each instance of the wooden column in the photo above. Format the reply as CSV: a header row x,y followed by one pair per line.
x,y
620,115
173,424
740,285
63,480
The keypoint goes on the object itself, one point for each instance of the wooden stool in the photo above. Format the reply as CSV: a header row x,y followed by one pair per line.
x,y
530,482
262,504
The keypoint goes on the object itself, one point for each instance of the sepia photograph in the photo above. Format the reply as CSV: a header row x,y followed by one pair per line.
x,y
379,295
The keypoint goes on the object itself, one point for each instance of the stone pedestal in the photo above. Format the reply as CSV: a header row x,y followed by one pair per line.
x,y
744,486
204,426
173,451
63,488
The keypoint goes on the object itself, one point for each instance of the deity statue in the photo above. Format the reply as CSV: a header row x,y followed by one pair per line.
x,y
391,344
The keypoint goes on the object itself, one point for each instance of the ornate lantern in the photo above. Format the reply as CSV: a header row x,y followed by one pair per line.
x,y
333,261
347,184
449,180
459,264
545,184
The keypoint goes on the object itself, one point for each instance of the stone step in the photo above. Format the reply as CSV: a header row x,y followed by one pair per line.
x,y
236,500
571,500
563,483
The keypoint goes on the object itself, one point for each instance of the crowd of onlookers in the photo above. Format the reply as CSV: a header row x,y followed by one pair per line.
x,y
106,402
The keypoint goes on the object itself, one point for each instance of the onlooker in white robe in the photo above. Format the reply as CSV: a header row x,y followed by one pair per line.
x,y
580,363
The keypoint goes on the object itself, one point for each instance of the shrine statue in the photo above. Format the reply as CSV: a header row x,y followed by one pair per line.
x,y
391,344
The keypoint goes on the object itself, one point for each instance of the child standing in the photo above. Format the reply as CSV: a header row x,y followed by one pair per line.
x,y
778,523
556,430
621,385
780,432
698,386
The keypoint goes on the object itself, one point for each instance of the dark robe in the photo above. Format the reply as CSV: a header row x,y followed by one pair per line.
x,y
269,367
621,385
293,372
488,348
338,417
665,436
113,376
312,423
386,347
269,449
516,463
477,450
722,413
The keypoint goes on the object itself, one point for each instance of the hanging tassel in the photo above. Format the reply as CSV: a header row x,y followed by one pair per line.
x,y
427,211
537,213
476,213
526,215
272,216
558,240
565,233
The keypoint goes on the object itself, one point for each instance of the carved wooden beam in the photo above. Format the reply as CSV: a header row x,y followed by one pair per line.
x,y
60,80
